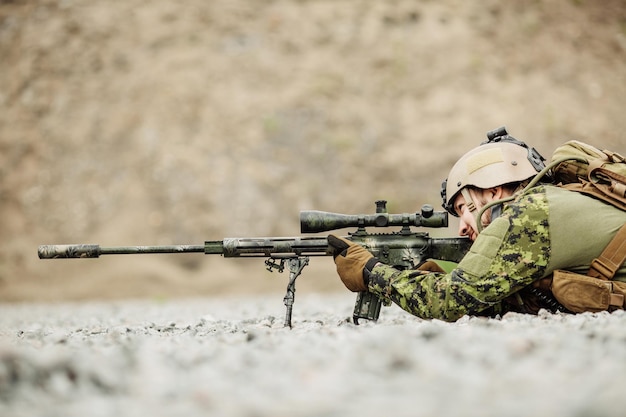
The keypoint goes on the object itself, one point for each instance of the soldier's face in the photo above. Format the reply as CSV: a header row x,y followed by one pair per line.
x,y
467,218
467,221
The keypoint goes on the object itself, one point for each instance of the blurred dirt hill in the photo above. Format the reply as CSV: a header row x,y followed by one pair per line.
x,y
159,122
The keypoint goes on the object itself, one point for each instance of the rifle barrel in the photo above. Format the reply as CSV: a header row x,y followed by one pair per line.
x,y
94,251
229,247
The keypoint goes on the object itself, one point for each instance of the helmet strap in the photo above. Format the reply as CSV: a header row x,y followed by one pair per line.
x,y
471,206
469,201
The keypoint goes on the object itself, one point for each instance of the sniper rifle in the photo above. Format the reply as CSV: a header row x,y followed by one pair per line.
x,y
403,249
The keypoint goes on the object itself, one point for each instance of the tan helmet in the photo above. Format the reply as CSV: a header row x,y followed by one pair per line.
x,y
501,160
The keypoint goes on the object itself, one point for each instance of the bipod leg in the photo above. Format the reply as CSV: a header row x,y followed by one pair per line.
x,y
296,265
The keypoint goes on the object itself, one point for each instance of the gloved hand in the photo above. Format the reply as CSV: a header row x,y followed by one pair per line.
x,y
430,266
351,259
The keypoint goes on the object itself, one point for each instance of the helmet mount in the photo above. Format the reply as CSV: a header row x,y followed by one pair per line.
x,y
501,135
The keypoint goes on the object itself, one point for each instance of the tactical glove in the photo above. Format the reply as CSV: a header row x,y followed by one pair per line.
x,y
351,260
430,266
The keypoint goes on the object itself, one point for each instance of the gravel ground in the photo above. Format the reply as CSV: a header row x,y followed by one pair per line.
x,y
233,357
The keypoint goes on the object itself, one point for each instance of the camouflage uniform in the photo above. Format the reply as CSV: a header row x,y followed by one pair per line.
x,y
544,229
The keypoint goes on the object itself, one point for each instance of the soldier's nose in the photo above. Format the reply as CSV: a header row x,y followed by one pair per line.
x,y
463,228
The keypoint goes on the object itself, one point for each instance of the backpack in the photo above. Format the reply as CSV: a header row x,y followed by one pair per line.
x,y
580,167
587,169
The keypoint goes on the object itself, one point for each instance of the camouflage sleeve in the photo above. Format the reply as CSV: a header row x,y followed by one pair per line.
x,y
509,254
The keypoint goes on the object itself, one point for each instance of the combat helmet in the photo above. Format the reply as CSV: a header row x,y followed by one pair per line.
x,y
499,160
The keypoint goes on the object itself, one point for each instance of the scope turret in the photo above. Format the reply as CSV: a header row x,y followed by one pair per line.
x,y
313,221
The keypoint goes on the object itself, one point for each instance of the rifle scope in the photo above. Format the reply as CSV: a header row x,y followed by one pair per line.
x,y
313,221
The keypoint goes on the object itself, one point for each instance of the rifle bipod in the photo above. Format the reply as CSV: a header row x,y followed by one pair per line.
x,y
296,265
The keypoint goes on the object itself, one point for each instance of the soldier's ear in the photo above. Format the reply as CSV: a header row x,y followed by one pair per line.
x,y
496,193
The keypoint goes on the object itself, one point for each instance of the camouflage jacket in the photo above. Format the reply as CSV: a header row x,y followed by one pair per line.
x,y
544,229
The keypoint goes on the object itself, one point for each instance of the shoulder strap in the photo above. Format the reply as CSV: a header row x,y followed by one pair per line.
x,y
611,259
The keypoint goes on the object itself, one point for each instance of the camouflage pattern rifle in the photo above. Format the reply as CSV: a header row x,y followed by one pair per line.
x,y
403,249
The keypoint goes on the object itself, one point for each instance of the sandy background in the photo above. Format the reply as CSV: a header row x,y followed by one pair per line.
x,y
144,123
